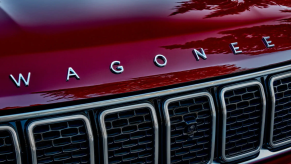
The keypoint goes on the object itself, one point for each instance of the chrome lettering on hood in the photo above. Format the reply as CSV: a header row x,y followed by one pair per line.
x,y
119,69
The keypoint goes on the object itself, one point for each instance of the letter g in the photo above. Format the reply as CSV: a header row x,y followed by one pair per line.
x,y
118,70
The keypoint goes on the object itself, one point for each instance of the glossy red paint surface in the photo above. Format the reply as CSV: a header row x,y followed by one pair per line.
x,y
47,37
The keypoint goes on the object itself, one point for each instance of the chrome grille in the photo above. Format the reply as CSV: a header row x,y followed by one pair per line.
x,y
132,135
62,140
280,88
190,128
243,122
9,147
7,151
157,97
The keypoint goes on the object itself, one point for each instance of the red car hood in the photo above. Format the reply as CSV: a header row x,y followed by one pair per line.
x,y
45,38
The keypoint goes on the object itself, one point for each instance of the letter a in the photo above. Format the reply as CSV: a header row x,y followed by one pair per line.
x,y
71,72
17,83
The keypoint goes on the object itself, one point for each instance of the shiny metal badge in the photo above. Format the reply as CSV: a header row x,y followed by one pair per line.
x,y
72,73
118,70
159,61
200,53
268,43
234,49
21,78
162,57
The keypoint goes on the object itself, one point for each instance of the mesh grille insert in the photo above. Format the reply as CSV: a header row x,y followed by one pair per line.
x,y
7,150
244,107
282,111
191,130
131,136
63,142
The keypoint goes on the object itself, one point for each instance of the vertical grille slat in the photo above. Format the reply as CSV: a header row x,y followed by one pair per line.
x,y
62,140
243,111
280,88
190,122
132,134
9,146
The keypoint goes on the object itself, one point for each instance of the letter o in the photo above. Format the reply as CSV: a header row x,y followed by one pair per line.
x,y
161,57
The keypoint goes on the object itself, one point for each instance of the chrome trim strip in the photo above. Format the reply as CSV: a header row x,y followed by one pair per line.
x,y
224,114
60,119
131,107
272,92
141,96
168,121
15,142
265,154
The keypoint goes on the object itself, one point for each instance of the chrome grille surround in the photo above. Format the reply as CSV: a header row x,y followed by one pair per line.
x,y
101,119
272,80
168,121
15,142
265,154
224,120
33,124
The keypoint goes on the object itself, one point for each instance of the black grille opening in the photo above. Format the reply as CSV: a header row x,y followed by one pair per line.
x,y
7,149
63,142
131,136
191,130
282,110
244,107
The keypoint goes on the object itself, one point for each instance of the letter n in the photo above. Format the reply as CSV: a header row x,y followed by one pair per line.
x,y
200,53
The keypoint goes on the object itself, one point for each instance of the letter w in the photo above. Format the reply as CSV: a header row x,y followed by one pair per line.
x,y
17,83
